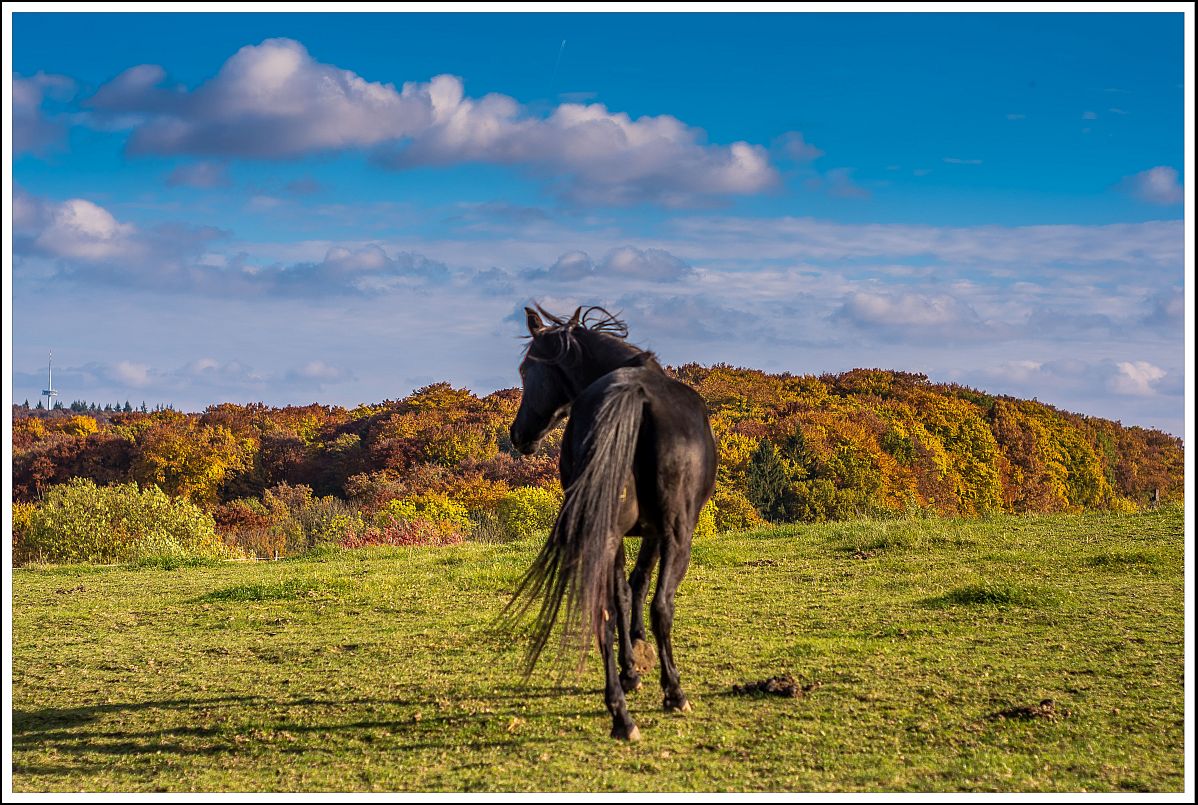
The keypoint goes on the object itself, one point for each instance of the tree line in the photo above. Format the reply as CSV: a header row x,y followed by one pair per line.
x,y
802,448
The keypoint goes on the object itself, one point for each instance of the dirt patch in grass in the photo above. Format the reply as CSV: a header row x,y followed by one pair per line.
x,y
761,563
996,595
1047,710
785,685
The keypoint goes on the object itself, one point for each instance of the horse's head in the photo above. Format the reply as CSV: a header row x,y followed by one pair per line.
x,y
547,384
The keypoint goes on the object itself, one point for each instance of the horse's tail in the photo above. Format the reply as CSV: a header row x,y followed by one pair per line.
x,y
575,566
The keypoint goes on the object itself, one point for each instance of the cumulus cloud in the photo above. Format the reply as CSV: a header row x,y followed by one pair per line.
x,y
1136,378
939,312
131,374
1074,377
75,229
32,131
87,243
1159,185
84,241
270,100
624,262
366,269
273,100
317,373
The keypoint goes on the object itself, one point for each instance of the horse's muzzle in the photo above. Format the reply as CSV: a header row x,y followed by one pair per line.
x,y
526,448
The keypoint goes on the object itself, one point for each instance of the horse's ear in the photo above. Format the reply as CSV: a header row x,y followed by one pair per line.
x,y
575,318
535,324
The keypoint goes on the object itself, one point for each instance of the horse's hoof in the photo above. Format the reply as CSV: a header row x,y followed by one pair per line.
x,y
681,705
632,735
631,683
643,656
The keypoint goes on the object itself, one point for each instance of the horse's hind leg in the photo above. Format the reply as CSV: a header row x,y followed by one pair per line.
x,y
622,723
630,679
640,657
675,556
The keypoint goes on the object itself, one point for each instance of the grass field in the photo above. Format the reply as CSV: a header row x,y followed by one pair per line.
x,y
927,646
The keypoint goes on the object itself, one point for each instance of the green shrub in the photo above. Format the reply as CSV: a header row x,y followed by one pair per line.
x,y
527,510
733,510
21,515
706,526
298,521
81,522
448,516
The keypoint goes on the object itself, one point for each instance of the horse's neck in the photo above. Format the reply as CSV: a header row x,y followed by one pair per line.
x,y
600,358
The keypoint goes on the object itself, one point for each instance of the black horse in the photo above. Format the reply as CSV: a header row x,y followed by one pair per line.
x,y
637,458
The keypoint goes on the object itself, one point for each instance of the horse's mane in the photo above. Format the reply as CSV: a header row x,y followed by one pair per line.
x,y
594,319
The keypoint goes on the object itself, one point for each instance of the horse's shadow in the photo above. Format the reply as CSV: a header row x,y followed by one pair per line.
x,y
78,735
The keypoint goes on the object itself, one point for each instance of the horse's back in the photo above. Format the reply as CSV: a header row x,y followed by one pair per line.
x,y
675,460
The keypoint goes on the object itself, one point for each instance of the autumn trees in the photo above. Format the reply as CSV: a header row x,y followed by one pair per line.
x,y
439,464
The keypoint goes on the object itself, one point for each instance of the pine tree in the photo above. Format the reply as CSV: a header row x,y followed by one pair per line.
x,y
40,407
127,407
794,449
767,482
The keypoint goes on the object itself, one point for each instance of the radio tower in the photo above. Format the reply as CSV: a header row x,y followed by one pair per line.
x,y
48,392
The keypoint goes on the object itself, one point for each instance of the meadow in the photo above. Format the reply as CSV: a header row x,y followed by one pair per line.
x,y
1010,653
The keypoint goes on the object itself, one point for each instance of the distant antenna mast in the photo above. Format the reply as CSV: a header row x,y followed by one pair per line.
x,y
48,392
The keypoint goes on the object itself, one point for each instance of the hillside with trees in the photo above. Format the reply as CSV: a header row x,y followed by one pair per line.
x,y
437,466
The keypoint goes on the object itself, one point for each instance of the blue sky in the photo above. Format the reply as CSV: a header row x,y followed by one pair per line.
x,y
341,207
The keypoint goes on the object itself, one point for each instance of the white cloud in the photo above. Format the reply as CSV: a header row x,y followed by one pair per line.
x,y
274,100
318,373
907,310
84,241
959,161
79,229
1157,185
87,243
131,374
1136,378
269,100
624,262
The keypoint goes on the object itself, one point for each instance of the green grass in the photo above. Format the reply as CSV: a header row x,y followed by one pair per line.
x,y
376,670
